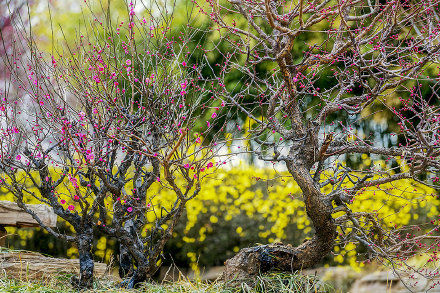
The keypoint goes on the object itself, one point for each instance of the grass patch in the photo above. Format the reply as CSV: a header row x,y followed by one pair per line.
x,y
264,284
277,282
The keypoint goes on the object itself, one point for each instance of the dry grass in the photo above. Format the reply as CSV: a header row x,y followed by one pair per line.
x,y
264,284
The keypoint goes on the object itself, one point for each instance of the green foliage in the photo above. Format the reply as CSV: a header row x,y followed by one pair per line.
x,y
54,33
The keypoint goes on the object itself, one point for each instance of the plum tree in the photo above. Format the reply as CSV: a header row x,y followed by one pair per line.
x,y
91,127
337,67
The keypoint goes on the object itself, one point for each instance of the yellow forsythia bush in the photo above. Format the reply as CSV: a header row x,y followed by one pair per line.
x,y
246,205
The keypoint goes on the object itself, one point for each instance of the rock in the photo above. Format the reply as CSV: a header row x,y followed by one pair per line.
x,y
390,282
12,215
35,266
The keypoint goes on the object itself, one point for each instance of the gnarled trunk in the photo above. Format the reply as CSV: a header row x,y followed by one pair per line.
x,y
125,259
142,273
86,264
259,259
146,257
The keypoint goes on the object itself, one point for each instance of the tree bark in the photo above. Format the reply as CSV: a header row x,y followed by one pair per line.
x,y
259,259
86,264
142,273
125,259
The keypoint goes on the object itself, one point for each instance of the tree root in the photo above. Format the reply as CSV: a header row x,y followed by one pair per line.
x,y
249,262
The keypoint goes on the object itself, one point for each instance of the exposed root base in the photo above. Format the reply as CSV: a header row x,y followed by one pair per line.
x,y
249,262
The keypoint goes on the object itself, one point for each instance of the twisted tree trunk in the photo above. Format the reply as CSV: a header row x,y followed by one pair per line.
x,y
126,267
86,264
263,258
303,154
142,273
